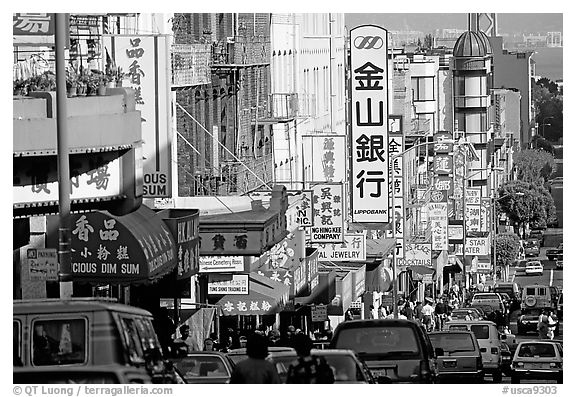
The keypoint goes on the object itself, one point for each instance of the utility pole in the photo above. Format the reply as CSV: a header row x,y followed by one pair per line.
x,y
65,276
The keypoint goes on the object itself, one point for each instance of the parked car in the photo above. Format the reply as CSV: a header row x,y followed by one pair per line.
x,y
560,262
489,340
553,253
237,355
534,268
537,360
86,332
462,359
205,367
395,350
346,365
536,234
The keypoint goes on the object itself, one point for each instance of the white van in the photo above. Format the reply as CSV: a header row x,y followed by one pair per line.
x,y
489,340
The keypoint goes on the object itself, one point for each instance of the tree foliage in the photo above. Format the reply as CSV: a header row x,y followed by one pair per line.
x,y
534,166
507,246
526,204
548,104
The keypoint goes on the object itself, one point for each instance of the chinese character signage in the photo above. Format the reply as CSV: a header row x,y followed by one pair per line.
x,y
485,212
145,61
444,183
184,225
472,209
473,196
369,138
396,146
228,284
455,234
42,264
304,209
97,181
283,276
438,219
312,268
328,203
33,24
353,249
319,313
323,155
284,255
134,247
417,254
443,164
221,264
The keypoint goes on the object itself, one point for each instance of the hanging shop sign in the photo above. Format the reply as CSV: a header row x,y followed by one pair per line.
x,y
145,61
358,282
319,313
438,219
323,154
228,284
369,138
455,234
312,268
328,213
284,276
42,264
472,218
443,164
417,254
485,214
221,264
444,183
396,146
300,208
184,226
353,249
35,29
473,196
300,282
477,246
91,179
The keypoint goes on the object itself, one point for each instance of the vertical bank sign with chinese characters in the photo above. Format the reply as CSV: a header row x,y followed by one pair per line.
x,y
144,61
369,128
328,213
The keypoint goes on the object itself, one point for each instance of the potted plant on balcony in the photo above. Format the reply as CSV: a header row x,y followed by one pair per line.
x,y
71,83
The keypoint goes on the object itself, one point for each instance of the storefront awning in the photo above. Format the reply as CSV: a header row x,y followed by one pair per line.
x,y
129,249
265,296
418,271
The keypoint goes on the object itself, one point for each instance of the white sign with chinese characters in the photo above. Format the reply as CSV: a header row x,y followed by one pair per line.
x,y
438,218
145,61
369,118
235,284
328,213
221,264
472,215
396,146
100,182
323,156
353,249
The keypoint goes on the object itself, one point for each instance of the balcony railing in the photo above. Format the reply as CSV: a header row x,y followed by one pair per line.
x,y
283,106
242,51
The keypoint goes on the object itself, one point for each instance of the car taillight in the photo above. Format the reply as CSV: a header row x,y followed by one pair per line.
x,y
552,365
519,364
424,371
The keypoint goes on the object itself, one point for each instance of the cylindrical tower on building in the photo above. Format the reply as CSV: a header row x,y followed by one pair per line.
x,y
472,74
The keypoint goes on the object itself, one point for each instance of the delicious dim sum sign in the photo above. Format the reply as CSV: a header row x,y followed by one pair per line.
x,y
369,137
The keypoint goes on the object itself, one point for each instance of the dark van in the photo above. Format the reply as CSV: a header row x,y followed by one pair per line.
x,y
395,350
85,333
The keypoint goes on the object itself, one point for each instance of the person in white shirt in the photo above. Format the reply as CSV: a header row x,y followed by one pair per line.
x,y
427,312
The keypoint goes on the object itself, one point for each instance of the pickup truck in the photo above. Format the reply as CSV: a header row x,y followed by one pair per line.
x,y
553,253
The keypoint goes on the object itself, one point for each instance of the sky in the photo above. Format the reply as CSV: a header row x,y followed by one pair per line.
x,y
428,22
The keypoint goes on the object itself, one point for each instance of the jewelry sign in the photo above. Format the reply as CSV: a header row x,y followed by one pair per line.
x,y
369,129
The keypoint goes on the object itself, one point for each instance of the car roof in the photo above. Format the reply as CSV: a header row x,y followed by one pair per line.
x,y
202,353
377,323
242,350
74,305
451,332
474,322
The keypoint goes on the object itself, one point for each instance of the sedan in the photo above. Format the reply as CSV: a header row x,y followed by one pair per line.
x,y
205,367
560,262
238,355
553,253
469,314
537,360
346,365
534,267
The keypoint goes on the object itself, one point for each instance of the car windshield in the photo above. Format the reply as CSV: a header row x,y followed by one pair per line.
x,y
392,341
343,365
202,366
536,350
479,297
453,342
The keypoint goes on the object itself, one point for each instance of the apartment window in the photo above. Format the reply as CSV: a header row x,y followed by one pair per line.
x,y
423,88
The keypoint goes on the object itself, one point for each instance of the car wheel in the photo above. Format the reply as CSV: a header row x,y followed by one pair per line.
x,y
497,377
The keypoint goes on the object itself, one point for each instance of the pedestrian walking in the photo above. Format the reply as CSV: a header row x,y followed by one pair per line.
x,y
308,368
255,369
180,347
288,339
427,312
418,312
409,310
543,325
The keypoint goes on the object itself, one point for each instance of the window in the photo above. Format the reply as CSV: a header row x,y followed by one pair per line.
x,y
530,291
202,366
481,331
453,342
56,342
392,340
133,341
537,350
17,343
423,88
